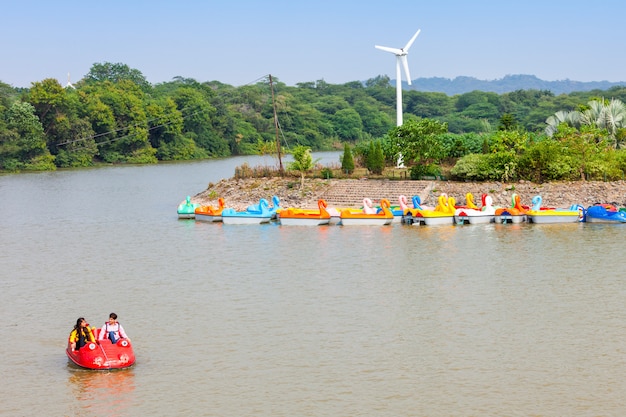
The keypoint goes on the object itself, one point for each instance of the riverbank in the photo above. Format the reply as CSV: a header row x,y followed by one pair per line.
x,y
240,193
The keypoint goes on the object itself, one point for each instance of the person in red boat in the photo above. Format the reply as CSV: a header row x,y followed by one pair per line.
x,y
112,330
80,335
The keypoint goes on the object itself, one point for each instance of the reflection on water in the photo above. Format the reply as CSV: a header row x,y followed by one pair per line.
x,y
101,393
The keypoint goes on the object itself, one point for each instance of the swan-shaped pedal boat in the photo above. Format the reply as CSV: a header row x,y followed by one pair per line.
x,y
255,214
399,210
103,355
471,214
274,208
442,214
538,214
514,214
604,213
187,209
335,215
305,217
210,213
335,212
368,215
416,202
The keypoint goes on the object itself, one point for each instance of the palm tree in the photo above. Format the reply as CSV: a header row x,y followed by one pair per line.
x,y
593,114
614,117
600,113
610,116
571,118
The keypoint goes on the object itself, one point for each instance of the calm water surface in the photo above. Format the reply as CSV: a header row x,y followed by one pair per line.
x,y
485,320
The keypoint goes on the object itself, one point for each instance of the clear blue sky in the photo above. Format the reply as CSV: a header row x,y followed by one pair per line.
x,y
239,41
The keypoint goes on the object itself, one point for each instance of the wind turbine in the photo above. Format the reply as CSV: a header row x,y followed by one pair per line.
x,y
69,84
400,61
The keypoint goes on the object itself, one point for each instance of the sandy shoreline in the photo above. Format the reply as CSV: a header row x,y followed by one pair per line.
x,y
239,193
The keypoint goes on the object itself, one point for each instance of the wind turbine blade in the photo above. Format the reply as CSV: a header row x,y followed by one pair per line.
x,y
405,64
388,49
408,45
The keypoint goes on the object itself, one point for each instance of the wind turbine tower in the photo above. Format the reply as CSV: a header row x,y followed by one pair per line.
x,y
401,61
69,84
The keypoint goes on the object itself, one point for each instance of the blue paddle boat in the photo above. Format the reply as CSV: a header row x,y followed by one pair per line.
x,y
273,208
604,213
254,214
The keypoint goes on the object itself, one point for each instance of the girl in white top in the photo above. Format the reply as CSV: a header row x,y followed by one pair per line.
x,y
112,330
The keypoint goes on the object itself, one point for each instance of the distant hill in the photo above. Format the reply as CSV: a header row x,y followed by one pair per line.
x,y
460,85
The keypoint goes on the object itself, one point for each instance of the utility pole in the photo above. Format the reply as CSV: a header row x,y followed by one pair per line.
x,y
280,161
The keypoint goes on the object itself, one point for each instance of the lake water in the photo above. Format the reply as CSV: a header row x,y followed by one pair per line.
x,y
473,320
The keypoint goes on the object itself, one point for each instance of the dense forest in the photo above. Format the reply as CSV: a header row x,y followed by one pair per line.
x,y
113,115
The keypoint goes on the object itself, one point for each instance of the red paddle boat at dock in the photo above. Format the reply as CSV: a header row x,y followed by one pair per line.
x,y
103,355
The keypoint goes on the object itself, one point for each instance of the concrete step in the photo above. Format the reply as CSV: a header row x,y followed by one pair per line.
x,y
350,193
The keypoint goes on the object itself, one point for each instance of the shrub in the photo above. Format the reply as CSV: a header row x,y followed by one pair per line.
x,y
246,171
470,167
326,173
417,172
500,166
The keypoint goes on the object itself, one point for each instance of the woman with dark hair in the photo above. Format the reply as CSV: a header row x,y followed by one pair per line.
x,y
80,335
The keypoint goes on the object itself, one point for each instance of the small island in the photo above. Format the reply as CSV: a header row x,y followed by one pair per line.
x,y
239,193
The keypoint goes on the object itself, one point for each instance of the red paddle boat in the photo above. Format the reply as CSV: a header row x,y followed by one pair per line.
x,y
103,355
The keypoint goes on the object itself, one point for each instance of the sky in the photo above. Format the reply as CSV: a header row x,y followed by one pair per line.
x,y
239,42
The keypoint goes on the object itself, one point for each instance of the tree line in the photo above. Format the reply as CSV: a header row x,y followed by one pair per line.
x,y
113,115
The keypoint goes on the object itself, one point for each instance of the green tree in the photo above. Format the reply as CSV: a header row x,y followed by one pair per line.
x,y
369,156
330,104
74,143
48,98
379,158
380,81
23,143
347,161
8,95
375,158
480,111
302,162
69,137
474,98
508,140
201,118
508,122
180,148
427,104
164,121
348,124
107,71
418,141
375,122
124,104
